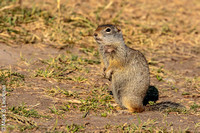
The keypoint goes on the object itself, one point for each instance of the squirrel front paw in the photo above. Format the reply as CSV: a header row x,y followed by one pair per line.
x,y
108,74
104,72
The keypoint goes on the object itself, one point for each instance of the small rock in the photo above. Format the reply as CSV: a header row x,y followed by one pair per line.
x,y
170,80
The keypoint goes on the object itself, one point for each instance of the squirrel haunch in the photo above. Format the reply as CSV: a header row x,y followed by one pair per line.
x,y
125,67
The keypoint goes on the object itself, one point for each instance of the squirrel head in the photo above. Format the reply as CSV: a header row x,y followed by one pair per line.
x,y
108,34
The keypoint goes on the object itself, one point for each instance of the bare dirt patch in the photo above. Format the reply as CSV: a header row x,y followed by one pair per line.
x,y
51,67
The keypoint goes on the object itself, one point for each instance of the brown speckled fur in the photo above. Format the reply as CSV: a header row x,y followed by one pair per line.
x,y
127,68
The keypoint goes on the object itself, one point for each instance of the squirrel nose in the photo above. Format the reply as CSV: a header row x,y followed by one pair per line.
x,y
95,34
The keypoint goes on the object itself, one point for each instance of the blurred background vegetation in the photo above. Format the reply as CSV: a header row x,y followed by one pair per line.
x,y
65,23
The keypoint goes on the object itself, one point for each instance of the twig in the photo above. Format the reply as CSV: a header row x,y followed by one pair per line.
x,y
9,7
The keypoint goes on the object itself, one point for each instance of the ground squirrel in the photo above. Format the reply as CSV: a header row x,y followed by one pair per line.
x,y
126,68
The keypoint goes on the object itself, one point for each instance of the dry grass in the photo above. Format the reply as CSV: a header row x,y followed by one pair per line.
x,y
60,23
167,32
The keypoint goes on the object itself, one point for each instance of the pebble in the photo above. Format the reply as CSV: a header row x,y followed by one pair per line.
x,y
170,80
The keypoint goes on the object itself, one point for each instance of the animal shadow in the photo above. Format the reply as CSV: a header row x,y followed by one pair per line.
x,y
153,95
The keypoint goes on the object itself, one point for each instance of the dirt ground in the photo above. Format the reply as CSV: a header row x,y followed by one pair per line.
x,y
50,64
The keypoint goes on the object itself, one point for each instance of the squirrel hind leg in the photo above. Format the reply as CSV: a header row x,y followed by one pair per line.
x,y
136,109
133,105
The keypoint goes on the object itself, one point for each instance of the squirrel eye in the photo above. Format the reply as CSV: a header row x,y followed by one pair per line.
x,y
108,30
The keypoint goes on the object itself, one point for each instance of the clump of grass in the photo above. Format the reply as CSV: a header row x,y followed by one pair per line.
x,y
57,91
10,78
150,30
50,26
185,93
56,111
193,83
12,24
79,79
147,126
159,73
23,111
104,114
65,107
74,128
165,30
62,66
26,127
195,107
98,100
23,117
59,67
